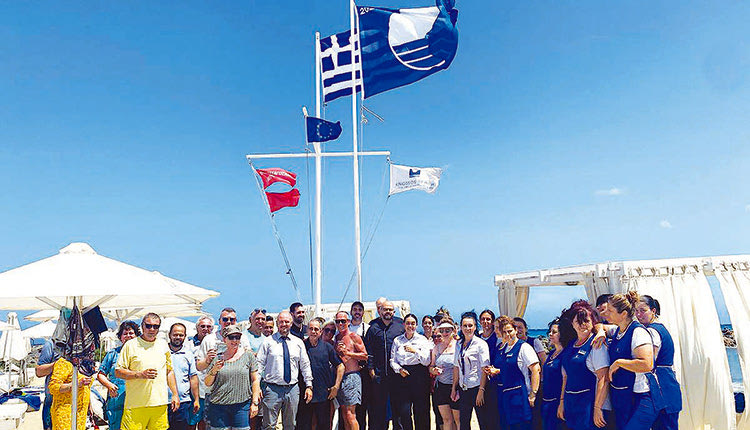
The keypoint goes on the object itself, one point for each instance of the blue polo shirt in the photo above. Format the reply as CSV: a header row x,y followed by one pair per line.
x,y
183,365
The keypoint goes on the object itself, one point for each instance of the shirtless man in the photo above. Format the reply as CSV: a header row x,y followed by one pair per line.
x,y
352,350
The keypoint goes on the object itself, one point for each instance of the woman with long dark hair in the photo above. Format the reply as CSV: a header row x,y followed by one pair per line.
x,y
552,379
471,357
410,356
584,369
647,311
631,353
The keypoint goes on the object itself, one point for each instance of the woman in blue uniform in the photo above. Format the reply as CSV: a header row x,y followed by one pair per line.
x,y
552,378
647,311
519,372
631,353
584,369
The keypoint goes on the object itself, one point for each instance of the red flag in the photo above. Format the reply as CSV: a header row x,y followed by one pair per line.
x,y
278,201
275,174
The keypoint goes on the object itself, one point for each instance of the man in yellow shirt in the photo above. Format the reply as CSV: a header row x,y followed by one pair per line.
x,y
145,364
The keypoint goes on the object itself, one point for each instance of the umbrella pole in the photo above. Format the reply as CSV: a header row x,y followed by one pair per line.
x,y
74,404
74,393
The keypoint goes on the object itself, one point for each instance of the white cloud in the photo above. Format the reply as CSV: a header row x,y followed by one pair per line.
x,y
747,208
610,192
665,224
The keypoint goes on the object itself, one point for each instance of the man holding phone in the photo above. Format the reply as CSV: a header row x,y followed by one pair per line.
x,y
145,363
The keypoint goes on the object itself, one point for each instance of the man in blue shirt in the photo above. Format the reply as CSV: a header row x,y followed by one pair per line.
x,y
44,367
186,375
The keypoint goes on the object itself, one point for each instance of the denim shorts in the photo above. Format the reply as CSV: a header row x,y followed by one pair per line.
x,y
236,415
196,417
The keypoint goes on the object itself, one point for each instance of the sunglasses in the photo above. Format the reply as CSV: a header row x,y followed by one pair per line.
x,y
329,330
445,330
227,319
256,310
234,337
152,326
341,321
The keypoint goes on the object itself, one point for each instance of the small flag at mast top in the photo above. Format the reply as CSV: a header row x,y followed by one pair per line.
x,y
320,130
278,201
274,174
408,178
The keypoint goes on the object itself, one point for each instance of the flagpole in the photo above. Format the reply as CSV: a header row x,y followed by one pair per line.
x,y
318,192
355,158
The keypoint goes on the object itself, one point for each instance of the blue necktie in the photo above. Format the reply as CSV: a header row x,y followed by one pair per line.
x,y
287,363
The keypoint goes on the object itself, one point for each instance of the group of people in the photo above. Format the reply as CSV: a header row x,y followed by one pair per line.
x,y
605,366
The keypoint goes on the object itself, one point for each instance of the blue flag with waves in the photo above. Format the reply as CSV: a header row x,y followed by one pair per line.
x,y
402,46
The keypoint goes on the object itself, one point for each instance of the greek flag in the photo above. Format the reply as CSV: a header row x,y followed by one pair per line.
x,y
336,65
398,47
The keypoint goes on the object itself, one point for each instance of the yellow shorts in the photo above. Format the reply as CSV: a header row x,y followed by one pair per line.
x,y
148,417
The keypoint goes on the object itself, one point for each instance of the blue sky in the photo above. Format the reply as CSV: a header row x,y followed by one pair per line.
x,y
569,133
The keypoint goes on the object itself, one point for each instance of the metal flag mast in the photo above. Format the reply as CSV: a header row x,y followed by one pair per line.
x,y
355,158
319,155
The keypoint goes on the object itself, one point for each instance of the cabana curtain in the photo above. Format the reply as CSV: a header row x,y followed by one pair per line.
x,y
735,286
512,299
689,313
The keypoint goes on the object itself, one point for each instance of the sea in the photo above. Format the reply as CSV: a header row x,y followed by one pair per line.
x,y
732,356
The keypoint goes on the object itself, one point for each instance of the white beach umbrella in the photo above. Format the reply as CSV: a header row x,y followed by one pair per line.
x,y
121,314
13,347
43,315
166,323
78,275
12,343
41,330
77,271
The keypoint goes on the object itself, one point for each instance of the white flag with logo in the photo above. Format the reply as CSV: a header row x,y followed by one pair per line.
x,y
407,178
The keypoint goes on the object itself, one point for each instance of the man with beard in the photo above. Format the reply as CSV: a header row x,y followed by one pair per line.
x,y
352,350
186,376
360,328
269,327
378,342
298,329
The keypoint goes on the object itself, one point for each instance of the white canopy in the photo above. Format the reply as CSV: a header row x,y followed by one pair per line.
x,y
78,271
41,330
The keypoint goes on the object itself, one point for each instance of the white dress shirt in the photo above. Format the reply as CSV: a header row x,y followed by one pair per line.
x,y
271,360
475,356
400,357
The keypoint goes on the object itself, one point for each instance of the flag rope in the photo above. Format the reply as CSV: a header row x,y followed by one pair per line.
x,y
276,232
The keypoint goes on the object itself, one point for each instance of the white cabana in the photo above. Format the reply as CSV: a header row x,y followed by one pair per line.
x,y
688,311
39,331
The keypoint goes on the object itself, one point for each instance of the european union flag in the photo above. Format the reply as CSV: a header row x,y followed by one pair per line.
x,y
320,130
